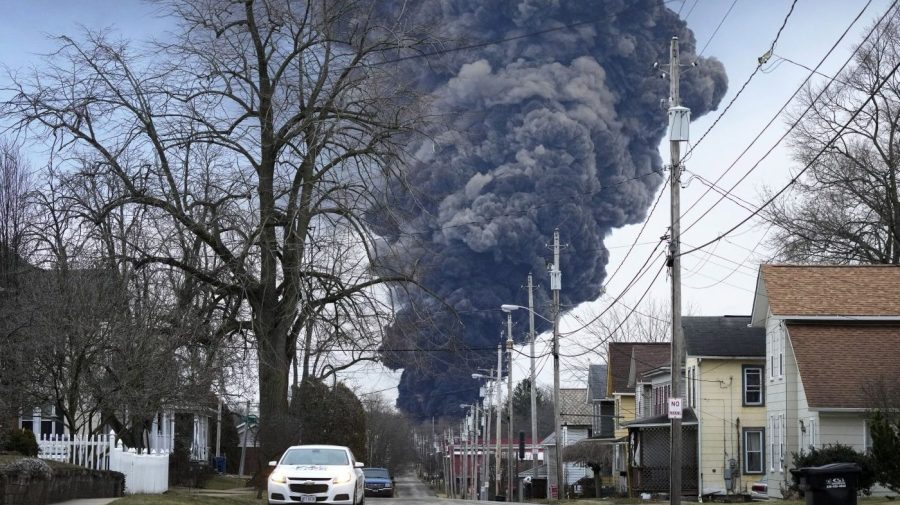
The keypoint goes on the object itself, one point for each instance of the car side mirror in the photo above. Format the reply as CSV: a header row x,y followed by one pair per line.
x,y
273,463
359,465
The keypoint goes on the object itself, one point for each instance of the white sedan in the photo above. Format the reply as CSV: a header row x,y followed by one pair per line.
x,y
316,474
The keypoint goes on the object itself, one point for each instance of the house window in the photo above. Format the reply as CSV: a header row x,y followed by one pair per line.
x,y
50,423
692,386
781,441
867,435
781,341
812,432
754,450
753,385
773,429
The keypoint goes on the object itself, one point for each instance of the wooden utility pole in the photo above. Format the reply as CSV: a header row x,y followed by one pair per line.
x,y
679,118
555,286
509,408
499,418
534,456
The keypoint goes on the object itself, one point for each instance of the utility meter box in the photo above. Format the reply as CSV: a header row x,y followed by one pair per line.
x,y
679,123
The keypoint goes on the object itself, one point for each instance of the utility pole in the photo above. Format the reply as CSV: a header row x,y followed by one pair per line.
x,y
485,442
475,445
453,486
465,460
499,417
533,383
509,403
555,286
244,444
679,119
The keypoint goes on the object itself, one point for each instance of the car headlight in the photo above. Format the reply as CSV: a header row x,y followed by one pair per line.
x,y
342,477
278,477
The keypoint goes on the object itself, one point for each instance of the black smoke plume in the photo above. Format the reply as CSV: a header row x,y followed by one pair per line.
x,y
557,129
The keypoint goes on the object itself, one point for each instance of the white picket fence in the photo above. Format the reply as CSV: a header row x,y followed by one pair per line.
x,y
144,473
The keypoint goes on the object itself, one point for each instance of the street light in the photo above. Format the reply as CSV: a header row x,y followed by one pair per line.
x,y
508,308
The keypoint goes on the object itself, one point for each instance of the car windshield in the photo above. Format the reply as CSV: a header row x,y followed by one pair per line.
x,y
310,456
376,473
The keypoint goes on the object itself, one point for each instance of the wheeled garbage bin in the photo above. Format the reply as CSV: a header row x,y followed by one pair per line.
x,y
833,484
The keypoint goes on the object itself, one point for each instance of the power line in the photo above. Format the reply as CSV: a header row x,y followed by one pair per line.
x,y
743,87
721,22
795,178
775,117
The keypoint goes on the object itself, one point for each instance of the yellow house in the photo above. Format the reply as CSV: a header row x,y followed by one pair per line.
x,y
724,385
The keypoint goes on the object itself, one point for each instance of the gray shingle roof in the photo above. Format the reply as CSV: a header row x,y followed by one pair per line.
x,y
722,336
644,355
596,382
573,407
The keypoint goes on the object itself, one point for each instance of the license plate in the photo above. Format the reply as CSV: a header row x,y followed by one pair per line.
x,y
307,498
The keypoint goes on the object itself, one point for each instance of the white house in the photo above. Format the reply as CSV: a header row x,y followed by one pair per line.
x,y
575,419
831,332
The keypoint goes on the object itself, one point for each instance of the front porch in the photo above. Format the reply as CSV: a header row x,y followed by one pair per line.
x,y
649,454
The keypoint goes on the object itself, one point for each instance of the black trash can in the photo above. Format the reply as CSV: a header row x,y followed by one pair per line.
x,y
833,484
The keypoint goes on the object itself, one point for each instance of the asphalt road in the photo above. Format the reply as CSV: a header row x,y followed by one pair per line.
x,y
411,490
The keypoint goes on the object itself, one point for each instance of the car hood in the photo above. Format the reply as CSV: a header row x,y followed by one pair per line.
x,y
313,471
381,480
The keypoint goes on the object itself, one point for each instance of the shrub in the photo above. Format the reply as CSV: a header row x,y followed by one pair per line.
x,y
885,429
21,441
837,453
184,472
31,468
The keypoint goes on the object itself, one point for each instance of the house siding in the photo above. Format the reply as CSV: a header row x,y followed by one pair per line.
x,y
722,417
572,472
783,397
844,428
625,412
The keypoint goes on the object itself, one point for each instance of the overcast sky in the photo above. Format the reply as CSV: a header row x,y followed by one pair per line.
x,y
718,280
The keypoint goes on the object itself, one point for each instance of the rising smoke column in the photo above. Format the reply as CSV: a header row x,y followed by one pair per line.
x,y
556,130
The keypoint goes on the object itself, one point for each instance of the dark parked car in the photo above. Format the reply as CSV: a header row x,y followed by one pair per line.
x,y
759,490
378,482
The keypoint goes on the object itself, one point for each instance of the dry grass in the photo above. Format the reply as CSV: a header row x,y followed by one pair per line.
x,y
223,482
623,501
193,497
186,499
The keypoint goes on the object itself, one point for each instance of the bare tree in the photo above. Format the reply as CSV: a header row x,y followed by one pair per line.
x,y
257,123
619,322
389,436
846,207
16,213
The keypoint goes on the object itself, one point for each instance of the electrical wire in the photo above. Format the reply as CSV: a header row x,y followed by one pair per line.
x,y
747,82
778,114
721,22
796,177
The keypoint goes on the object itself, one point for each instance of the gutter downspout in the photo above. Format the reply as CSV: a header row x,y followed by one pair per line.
x,y
695,387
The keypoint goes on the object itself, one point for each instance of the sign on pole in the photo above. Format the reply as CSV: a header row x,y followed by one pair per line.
x,y
675,408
